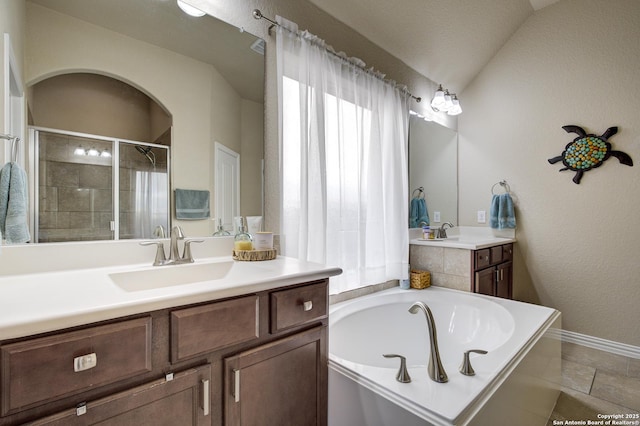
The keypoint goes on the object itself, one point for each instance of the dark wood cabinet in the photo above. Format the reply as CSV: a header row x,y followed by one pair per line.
x,y
492,271
178,366
280,383
184,399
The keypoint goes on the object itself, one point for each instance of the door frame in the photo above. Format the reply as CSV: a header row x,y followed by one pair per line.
x,y
218,151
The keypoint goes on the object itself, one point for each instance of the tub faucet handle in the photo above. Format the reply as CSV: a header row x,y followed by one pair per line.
x,y
466,368
403,374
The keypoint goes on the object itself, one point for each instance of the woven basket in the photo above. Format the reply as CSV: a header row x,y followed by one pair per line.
x,y
254,255
420,279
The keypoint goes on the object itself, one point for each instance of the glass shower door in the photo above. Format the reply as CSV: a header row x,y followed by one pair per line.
x,y
144,191
75,188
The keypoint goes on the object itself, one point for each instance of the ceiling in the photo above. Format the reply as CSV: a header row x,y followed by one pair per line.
x,y
448,41
163,24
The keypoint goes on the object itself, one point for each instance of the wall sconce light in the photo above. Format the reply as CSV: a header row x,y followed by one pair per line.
x,y
445,102
190,10
79,151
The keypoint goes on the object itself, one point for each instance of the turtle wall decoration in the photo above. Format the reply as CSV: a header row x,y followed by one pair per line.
x,y
588,151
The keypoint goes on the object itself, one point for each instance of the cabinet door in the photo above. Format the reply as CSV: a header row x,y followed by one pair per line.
x,y
504,280
184,400
280,383
485,281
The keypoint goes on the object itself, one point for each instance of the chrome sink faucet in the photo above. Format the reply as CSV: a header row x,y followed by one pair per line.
x,y
442,231
174,252
435,369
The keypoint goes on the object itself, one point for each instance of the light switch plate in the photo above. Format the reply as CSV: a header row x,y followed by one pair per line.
x,y
436,216
482,216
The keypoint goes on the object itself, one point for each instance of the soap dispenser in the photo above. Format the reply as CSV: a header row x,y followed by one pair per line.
x,y
243,240
221,232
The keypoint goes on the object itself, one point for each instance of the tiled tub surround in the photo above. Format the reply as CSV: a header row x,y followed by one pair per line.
x,y
449,260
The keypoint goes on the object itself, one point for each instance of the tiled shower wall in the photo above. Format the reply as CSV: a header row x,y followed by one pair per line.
x,y
76,192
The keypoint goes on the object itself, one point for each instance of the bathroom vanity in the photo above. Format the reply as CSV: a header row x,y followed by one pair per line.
x,y
250,343
472,260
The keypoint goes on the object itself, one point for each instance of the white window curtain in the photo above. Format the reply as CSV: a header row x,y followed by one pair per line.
x,y
343,163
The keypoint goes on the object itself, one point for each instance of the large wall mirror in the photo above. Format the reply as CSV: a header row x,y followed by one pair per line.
x,y
433,170
200,80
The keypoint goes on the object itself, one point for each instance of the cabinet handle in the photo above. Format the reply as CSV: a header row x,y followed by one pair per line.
x,y
236,385
206,397
85,362
497,275
308,305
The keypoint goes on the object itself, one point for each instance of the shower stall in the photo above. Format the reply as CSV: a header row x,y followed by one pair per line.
x,y
90,187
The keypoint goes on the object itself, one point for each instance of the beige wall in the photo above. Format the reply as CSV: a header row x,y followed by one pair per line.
x,y
93,104
252,148
575,62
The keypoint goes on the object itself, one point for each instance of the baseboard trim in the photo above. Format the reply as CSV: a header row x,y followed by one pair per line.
x,y
605,345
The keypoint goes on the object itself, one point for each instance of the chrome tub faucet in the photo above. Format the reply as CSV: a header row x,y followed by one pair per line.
x,y
435,369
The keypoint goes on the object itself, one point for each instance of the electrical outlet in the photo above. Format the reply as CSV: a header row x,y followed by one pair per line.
x,y
482,216
436,216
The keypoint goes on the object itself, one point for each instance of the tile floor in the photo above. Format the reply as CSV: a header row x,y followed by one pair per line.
x,y
596,382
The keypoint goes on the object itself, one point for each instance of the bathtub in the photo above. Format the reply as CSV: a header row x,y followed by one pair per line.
x,y
516,382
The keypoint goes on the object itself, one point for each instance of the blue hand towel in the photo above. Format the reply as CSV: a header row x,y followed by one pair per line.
x,y
418,212
502,215
192,204
14,203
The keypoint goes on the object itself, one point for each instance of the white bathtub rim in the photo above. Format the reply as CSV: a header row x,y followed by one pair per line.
x,y
512,358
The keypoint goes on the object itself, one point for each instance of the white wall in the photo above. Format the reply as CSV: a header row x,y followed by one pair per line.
x,y
575,62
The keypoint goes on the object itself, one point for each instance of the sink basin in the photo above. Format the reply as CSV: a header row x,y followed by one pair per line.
x,y
170,275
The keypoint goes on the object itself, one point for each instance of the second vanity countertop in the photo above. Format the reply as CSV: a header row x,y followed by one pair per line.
x,y
465,237
43,302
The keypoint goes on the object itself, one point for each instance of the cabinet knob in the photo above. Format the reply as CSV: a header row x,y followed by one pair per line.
x,y
307,306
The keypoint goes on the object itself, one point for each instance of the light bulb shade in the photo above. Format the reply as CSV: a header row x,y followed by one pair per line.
x,y
438,100
190,10
79,151
105,154
448,102
93,152
456,108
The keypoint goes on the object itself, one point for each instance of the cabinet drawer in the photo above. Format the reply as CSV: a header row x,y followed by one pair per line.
x,y
214,326
507,252
483,258
297,306
43,369
496,255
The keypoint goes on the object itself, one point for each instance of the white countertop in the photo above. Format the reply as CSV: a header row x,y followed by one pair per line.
x,y
48,301
465,237
463,243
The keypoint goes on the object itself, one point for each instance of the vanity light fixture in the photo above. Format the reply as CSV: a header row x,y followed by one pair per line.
x,y
93,152
445,102
79,151
190,10
105,154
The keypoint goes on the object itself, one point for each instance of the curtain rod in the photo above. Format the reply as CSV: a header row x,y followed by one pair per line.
x,y
258,15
